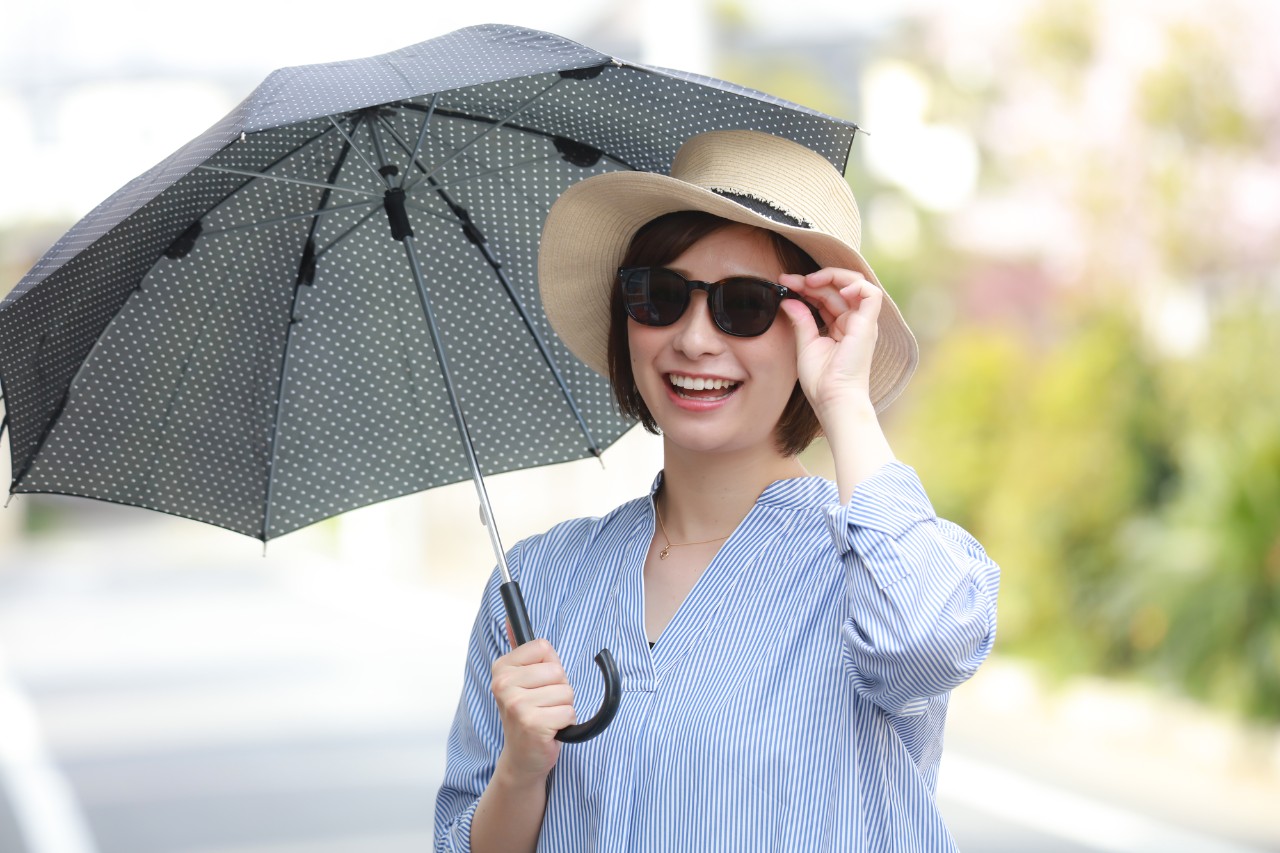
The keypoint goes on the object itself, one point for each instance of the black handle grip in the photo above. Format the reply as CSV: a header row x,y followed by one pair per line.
x,y
523,631
608,706
516,613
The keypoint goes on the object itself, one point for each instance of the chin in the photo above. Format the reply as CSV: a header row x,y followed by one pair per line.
x,y
714,441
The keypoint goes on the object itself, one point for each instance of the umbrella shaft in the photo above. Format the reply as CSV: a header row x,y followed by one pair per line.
x,y
486,510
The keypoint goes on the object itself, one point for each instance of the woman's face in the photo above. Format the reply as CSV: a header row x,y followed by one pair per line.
x,y
746,381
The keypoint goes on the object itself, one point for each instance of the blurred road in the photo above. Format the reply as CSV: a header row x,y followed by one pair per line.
x,y
293,705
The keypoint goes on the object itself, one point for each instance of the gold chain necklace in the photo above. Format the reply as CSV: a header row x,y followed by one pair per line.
x,y
662,555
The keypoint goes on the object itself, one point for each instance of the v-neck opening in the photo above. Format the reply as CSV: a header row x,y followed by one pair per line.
x,y
711,564
723,574
716,582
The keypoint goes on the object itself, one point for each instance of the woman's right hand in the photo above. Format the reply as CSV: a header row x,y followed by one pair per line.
x,y
535,701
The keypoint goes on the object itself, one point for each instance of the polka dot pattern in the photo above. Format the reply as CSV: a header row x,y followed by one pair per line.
x,y
214,381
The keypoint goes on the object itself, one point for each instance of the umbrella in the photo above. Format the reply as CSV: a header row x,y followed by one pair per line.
x,y
329,298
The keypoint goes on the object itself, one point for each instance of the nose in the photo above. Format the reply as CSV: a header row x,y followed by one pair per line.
x,y
696,333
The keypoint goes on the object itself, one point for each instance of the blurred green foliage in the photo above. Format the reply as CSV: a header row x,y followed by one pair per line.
x,y
1119,458
1133,500
1194,100
1060,38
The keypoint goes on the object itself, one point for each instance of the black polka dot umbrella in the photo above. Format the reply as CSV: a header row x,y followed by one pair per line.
x,y
298,312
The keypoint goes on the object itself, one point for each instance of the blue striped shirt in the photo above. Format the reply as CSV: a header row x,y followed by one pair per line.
x,y
795,701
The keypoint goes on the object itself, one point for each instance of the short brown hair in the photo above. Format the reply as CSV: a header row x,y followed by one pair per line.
x,y
661,241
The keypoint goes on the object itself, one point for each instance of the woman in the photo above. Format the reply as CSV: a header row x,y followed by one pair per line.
x,y
787,644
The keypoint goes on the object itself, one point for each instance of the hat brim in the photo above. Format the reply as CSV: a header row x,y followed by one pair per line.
x,y
591,226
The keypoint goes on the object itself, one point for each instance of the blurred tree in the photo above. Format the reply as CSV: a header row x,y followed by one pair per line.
x,y
1111,434
1059,40
1044,452
1123,461
1203,589
1193,99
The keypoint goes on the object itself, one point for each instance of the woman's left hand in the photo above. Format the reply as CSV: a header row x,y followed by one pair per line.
x,y
834,368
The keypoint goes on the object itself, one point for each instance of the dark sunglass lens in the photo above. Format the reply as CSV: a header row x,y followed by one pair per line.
x,y
655,296
745,306
669,293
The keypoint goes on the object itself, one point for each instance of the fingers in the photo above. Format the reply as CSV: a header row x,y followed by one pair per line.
x,y
544,711
531,675
802,321
526,718
535,701
533,652
836,292
839,294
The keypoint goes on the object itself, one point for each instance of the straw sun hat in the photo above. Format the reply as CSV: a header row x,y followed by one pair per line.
x,y
741,175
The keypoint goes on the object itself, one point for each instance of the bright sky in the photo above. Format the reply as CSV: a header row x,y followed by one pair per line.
x,y
126,82
59,36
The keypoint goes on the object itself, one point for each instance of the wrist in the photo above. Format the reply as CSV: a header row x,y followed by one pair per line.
x,y
850,417
516,780
858,445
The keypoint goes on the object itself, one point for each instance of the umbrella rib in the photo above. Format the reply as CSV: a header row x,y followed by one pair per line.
x,y
311,213
354,147
453,182
458,179
532,131
323,205
275,422
422,137
455,404
317,184
264,173
539,342
414,161
389,169
429,212
488,130
463,219
306,275
345,234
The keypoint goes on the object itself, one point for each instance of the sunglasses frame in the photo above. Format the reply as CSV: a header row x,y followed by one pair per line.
x,y
710,288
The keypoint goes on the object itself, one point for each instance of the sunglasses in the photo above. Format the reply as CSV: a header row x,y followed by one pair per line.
x,y
740,305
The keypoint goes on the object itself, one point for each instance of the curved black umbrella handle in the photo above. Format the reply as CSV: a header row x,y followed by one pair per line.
x,y
608,706
523,631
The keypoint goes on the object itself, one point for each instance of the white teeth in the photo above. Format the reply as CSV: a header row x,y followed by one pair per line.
x,y
690,383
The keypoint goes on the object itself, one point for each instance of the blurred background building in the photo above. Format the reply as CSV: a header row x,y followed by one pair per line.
x,y
1075,202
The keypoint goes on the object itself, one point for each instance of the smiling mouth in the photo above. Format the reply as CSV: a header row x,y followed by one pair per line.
x,y
699,388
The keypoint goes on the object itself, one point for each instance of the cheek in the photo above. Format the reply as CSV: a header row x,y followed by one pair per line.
x,y
643,344
774,354
642,341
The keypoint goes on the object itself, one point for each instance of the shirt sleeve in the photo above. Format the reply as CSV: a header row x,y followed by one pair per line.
x,y
920,593
475,738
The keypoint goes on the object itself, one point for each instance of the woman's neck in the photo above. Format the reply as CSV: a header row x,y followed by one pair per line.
x,y
707,494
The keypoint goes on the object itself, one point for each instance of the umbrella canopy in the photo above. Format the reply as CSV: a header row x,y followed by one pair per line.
x,y
329,298
238,336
